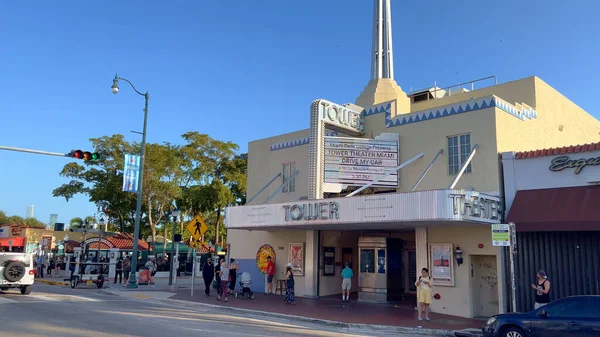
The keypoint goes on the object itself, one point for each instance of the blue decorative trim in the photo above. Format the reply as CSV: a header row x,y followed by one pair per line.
x,y
522,113
297,142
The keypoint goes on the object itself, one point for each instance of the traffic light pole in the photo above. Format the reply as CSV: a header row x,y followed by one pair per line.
x,y
18,149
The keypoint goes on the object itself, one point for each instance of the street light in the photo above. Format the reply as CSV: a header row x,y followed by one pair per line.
x,y
175,214
138,209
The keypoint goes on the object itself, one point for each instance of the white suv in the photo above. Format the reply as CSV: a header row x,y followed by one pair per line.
x,y
16,271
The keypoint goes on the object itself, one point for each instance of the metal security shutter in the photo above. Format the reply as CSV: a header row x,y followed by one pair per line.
x,y
571,259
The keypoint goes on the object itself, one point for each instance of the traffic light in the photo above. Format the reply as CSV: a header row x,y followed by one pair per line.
x,y
78,154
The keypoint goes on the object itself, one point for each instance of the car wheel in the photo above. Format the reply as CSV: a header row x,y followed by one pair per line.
x,y
513,332
14,271
25,290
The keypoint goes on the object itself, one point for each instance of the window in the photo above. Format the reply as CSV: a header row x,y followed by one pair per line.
x,y
288,170
367,261
459,148
569,308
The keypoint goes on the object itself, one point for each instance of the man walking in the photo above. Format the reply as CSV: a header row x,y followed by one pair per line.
x,y
347,275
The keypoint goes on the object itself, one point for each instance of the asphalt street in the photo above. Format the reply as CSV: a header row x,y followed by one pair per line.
x,y
53,311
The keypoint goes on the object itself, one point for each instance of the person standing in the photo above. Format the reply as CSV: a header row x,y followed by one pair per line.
x,y
126,270
119,271
41,265
424,286
208,274
542,290
151,265
224,274
233,269
347,275
290,295
270,274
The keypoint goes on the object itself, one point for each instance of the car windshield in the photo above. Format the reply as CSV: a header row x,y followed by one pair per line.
x,y
6,258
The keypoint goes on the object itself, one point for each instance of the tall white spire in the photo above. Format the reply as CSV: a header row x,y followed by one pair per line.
x,y
382,57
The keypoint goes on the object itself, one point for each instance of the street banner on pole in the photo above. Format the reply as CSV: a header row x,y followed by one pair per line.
x,y
131,173
501,235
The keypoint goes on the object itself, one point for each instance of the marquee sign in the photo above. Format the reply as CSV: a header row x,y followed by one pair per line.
x,y
564,162
358,161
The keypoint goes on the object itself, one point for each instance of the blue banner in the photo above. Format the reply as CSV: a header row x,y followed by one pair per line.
x,y
131,173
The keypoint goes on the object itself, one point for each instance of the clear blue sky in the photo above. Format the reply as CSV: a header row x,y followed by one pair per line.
x,y
241,70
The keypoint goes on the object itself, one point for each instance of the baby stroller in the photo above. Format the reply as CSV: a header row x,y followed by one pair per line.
x,y
244,290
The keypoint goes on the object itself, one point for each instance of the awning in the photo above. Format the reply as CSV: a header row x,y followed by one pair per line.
x,y
556,209
17,241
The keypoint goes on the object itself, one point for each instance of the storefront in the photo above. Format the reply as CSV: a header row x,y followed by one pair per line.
x,y
553,197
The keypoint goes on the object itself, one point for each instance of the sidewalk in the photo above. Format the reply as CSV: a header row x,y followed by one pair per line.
x,y
160,284
400,317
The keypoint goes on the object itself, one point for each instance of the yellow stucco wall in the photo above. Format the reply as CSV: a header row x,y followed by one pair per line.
x,y
35,235
264,164
456,300
559,121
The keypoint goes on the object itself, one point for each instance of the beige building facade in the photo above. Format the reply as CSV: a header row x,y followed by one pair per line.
x,y
330,194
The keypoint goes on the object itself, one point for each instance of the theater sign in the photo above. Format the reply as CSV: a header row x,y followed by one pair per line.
x,y
381,211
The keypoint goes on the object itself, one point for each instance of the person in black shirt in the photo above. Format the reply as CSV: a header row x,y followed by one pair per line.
x,y
208,274
542,288
218,276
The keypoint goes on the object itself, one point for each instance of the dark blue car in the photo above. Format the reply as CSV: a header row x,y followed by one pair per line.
x,y
575,316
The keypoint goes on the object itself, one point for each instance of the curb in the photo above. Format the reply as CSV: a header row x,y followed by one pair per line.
x,y
54,283
350,327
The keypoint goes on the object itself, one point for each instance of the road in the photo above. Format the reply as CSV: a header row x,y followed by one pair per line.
x,y
53,311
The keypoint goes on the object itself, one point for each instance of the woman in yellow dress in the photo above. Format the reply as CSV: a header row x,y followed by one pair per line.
x,y
424,286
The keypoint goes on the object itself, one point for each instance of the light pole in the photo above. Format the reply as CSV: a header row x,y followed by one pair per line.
x,y
172,270
138,209
101,224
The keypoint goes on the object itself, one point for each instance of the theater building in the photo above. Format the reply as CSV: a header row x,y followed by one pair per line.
x,y
396,182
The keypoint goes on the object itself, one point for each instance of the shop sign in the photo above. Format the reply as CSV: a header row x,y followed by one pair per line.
x,y
358,161
103,241
341,116
15,230
312,211
475,205
564,162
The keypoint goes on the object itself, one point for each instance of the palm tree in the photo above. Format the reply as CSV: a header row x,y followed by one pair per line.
x,y
76,222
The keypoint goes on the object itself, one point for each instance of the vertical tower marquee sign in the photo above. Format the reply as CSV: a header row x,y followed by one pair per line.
x,y
346,119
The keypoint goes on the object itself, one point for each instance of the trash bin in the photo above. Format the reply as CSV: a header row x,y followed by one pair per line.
x,y
144,276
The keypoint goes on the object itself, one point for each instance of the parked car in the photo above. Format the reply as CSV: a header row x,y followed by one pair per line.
x,y
16,271
575,316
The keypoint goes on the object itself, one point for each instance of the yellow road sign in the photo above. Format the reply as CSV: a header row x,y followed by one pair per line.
x,y
197,227
196,244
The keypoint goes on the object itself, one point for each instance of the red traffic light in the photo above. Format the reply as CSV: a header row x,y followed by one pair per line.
x,y
78,154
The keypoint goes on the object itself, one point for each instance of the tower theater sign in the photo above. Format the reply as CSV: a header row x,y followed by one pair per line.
x,y
341,116
312,211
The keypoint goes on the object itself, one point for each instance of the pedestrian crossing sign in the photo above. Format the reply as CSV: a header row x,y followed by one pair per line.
x,y
197,227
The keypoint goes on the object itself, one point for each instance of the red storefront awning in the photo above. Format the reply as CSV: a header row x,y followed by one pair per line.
x,y
17,241
556,209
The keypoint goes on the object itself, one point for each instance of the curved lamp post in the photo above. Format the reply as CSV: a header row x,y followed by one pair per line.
x,y
138,209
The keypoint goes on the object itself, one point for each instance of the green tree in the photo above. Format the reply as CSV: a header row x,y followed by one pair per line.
x,y
214,177
102,180
18,220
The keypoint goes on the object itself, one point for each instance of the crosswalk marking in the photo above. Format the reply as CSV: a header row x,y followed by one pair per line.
x,y
43,298
6,300
84,298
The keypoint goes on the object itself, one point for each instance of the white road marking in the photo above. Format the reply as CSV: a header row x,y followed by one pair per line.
x,y
44,298
84,298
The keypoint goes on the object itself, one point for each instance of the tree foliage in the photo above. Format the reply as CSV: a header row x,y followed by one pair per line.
x,y
18,220
201,176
